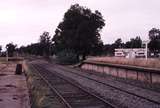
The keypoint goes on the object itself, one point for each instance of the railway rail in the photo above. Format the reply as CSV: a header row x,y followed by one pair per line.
x,y
145,85
106,84
1,69
71,94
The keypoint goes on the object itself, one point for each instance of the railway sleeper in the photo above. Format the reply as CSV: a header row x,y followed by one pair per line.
x,y
88,105
71,95
66,89
82,100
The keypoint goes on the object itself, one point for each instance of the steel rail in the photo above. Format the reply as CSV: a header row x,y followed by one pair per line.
x,y
3,68
52,88
150,100
2,74
69,81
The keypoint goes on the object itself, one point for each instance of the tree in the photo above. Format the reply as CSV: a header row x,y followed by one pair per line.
x,y
109,49
134,43
0,48
33,49
154,44
45,43
41,48
11,48
118,43
79,31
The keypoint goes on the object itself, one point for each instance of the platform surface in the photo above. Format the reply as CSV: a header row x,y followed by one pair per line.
x,y
13,88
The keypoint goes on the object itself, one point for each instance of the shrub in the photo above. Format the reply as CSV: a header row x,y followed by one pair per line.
x,y
18,69
67,57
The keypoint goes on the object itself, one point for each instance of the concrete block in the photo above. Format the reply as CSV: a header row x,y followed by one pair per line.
x,y
106,70
94,67
113,71
131,74
89,67
83,66
143,76
155,78
122,73
100,69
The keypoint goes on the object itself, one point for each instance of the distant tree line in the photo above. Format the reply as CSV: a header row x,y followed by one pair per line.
x,y
0,48
153,45
132,43
10,49
42,48
78,35
46,45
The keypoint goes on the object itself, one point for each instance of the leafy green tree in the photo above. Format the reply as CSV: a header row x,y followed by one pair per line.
x,y
33,49
41,48
79,31
134,43
154,36
0,48
11,48
109,49
45,43
118,43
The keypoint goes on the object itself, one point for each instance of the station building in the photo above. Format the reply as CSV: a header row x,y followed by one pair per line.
x,y
130,52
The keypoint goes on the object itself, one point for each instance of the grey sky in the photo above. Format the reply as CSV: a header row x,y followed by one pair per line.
x,y
22,21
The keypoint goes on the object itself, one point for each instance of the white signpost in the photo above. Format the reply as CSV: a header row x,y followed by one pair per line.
x,y
6,54
146,48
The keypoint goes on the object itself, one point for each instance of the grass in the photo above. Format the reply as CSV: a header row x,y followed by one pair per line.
x,y
2,59
150,63
11,59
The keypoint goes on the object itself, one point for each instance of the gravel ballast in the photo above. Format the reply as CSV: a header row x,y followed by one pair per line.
x,y
120,98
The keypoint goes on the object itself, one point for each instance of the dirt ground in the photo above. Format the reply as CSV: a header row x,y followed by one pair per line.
x,y
13,88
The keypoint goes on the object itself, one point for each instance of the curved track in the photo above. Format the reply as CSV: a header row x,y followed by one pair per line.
x,y
106,84
3,68
71,94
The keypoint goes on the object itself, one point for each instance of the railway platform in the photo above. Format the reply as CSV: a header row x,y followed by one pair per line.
x,y
13,88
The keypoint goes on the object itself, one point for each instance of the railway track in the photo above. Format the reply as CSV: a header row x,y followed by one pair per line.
x,y
71,94
106,84
1,70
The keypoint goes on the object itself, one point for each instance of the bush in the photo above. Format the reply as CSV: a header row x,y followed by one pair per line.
x,y
19,69
67,57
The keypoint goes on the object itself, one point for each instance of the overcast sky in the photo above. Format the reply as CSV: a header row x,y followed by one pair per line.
x,y
23,21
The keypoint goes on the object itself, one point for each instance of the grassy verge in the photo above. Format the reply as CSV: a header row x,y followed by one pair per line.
x,y
142,62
